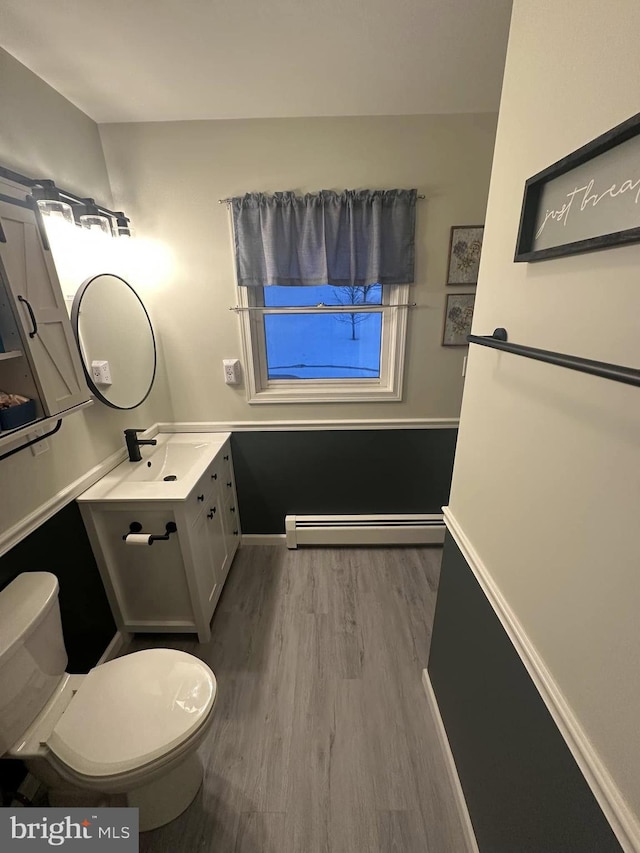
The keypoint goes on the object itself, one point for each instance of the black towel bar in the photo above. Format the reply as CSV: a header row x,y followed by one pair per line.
x,y
618,373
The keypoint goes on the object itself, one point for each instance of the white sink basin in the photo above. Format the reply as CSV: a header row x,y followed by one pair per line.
x,y
168,471
172,460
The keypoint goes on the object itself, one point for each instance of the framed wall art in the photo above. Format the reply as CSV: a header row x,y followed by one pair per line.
x,y
465,246
458,315
588,200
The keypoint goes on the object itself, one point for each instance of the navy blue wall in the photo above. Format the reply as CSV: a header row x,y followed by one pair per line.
x,y
61,546
524,791
340,471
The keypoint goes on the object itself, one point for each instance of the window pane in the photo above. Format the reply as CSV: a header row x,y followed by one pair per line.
x,y
323,346
296,297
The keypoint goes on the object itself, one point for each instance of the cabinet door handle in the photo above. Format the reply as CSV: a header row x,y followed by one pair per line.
x,y
226,458
229,484
200,497
214,476
235,532
34,323
212,512
232,508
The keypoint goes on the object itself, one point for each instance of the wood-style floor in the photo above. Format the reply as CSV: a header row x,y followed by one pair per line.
x,y
323,741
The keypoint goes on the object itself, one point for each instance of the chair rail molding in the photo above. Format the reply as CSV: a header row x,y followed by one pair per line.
x,y
294,425
19,531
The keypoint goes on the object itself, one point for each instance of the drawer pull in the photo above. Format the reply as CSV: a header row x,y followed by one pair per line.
x,y
232,508
214,476
229,484
200,497
226,458
235,532
212,512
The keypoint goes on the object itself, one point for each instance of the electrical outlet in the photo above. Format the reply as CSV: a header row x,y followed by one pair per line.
x,y
101,372
231,370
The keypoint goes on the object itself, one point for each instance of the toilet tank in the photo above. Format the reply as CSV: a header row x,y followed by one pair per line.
x,y
32,653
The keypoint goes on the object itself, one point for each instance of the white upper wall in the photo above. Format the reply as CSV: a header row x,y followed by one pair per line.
x,y
42,135
171,175
546,484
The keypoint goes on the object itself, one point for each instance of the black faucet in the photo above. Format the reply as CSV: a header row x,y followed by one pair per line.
x,y
133,443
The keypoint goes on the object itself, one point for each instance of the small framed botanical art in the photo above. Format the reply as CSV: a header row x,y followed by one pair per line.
x,y
457,319
464,254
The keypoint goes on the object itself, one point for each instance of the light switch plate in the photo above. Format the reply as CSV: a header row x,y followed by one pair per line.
x,y
40,446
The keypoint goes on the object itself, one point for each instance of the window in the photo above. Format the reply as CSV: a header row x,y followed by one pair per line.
x,y
306,341
298,348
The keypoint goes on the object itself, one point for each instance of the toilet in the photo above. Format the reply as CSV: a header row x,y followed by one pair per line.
x,y
125,734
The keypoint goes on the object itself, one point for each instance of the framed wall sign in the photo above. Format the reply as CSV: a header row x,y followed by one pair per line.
x,y
588,200
465,246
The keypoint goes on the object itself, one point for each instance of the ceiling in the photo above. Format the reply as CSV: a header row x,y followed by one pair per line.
x,y
163,60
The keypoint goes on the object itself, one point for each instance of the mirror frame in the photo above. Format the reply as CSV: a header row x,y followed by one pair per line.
x,y
75,312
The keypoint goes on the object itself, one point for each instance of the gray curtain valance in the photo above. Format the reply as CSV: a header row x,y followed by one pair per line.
x,y
357,237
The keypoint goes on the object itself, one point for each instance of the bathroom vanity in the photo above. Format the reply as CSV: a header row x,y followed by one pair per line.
x,y
164,532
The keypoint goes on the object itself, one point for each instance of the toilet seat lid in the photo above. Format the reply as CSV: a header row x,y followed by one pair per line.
x,y
132,710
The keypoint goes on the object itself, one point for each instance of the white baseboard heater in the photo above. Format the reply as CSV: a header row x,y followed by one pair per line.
x,y
412,529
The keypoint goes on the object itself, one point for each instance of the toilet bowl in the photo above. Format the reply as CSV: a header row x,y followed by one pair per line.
x,y
124,734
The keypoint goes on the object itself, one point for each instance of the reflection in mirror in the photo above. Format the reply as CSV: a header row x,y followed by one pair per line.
x,y
111,325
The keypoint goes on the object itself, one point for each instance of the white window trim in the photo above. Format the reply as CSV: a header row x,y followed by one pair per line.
x,y
261,389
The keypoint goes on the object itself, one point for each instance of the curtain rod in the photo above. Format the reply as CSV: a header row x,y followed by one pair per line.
x,y
356,308
229,200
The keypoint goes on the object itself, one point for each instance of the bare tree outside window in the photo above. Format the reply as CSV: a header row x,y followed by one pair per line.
x,y
354,295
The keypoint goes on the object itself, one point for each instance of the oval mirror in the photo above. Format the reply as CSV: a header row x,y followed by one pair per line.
x,y
112,325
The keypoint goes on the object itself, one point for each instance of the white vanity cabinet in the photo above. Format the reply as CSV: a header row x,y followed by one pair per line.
x,y
173,584
41,360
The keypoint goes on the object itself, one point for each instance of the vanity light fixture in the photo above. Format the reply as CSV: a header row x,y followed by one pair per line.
x,y
65,205
90,216
51,203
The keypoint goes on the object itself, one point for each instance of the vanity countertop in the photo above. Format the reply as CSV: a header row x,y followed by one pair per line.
x,y
181,457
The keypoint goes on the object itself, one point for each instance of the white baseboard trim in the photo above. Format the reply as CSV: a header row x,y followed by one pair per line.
x,y
282,426
45,511
263,539
452,771
118,642
624,822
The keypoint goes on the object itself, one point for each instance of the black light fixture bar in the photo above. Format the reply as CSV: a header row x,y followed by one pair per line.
x,y
616,372
65,195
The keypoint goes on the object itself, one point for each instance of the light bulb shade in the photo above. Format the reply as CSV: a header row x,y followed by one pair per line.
x,y
58,209
95,222
50,202
90,216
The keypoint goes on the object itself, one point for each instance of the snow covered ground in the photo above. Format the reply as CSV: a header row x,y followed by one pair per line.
x,y
321,346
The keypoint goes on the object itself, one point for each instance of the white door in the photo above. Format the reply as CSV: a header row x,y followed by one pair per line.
x,y
48,338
